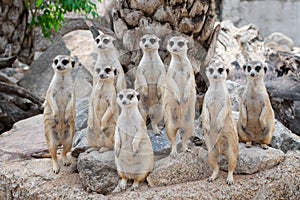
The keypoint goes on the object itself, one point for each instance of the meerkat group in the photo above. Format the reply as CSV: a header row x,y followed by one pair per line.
x,y
158,94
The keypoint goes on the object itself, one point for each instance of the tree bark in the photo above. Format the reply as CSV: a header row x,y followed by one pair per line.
x,y
15,30
193,18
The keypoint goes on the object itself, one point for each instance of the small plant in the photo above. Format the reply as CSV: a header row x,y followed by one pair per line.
x,y
49,14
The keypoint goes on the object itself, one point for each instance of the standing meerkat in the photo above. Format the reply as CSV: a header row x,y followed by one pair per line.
x,y
59,110
107,55
256,123
133,148
179,95
219,128
149,80
103,110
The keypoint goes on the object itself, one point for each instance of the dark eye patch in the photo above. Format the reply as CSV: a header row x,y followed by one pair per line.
x,y
152,40
65,62
249,68
107,70
143,40
98,70
105,41
97,40
171,43
130,96
121,96
211,70
220,70
257,68
55,61
180,44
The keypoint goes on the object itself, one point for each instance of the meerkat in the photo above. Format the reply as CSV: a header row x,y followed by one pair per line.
x,y
218,125
59,110
179,95
133,148
107,55
149,80
256,121
103,110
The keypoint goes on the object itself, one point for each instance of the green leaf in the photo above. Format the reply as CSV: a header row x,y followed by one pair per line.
x,y
38,3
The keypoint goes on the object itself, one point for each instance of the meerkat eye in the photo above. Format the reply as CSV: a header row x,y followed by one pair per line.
x,y
211,70
98,70
152,40
65,62
143,40
180,44
249,68
121,96
105,41
257,68
55,61
129,96
171,43
97,40
220,70
107,70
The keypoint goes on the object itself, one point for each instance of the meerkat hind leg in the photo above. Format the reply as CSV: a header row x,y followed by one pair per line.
x,y
213,161
121,186
66,148
171,132
264,146
187,133
53,152
232,159
248,144
156,115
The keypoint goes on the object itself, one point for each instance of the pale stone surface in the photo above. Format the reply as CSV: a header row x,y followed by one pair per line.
x,y
254,159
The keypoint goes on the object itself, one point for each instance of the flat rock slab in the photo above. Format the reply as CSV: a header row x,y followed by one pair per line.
x,y
254,159
186,167
26,138
98,171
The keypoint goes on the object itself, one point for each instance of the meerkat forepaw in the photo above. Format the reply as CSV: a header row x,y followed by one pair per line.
x,y
134,186
229,181
65,161
55,169
66,120
178,100
173,155
248,144
102,128
264,146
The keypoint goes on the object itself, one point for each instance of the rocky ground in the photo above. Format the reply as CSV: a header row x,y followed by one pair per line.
x,y
270,174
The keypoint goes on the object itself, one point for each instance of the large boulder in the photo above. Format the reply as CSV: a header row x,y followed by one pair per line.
x,y
254,159
98,172
38,77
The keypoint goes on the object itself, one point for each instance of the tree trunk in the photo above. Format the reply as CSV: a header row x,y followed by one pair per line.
x,y
15,31
193,18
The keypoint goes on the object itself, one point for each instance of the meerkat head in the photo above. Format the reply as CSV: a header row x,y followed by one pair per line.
x,y
255,69
128,98
106,73
177,45
104,41
216,71
63,63
149,41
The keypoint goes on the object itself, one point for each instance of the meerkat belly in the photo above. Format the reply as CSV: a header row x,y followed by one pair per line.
x,y
253,113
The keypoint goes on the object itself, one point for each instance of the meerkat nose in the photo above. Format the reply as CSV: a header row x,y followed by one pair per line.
x,y
215,76
124,102
101,76
58,67
99,46
252,74
146,45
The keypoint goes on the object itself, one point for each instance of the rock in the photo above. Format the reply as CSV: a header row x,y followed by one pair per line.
x,y
98,172
254,159
132,18
131,39
146,6
279,42
186,25
121,26
38,77
235,90
26,138
185,168
82,109
80,143
164,14
284,139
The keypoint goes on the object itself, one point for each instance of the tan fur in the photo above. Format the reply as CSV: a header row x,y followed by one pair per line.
x,y
180,94
59,110
107,55
220,133
256,122
149,80
133,148
103,110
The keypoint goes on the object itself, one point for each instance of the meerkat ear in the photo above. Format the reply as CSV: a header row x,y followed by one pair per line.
x,y
265,68
138,96
73,63
115,72
227,70
244,67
